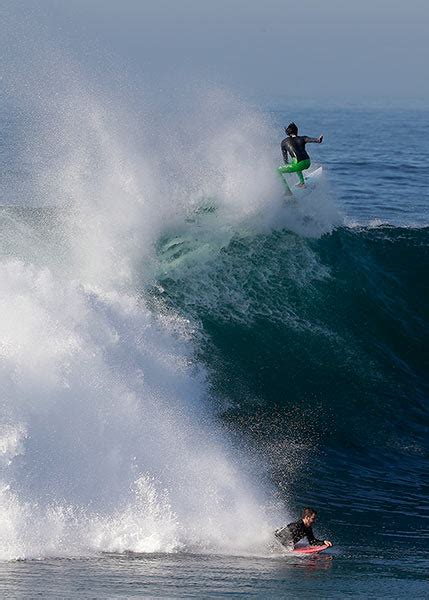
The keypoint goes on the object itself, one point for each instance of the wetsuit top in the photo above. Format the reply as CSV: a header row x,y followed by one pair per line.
x,y
295,146
298,531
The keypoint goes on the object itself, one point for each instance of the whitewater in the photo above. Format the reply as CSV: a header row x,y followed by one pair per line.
x,y
108,438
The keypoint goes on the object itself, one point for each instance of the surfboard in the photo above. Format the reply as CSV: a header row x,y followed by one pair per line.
x,y
310,549
312,180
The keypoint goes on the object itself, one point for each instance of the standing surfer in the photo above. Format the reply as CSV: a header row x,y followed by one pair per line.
x,y
294,532
294,146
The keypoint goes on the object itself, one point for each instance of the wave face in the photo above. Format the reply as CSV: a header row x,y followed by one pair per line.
x,y
310,349
319,348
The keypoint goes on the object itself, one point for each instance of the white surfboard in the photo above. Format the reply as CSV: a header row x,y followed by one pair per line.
x,y
312,180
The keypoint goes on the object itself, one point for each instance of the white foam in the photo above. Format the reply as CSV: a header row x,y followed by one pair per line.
x,y
107,439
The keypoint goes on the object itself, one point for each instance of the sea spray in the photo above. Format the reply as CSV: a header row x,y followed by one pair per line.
x,y
107,437
109,440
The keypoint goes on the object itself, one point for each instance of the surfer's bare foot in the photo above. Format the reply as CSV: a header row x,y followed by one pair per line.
x,y
301,185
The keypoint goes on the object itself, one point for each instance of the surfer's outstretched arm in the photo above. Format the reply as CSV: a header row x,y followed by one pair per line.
x,y
315,542
309,140
312,540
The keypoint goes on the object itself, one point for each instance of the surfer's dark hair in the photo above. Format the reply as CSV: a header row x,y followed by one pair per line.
x,y
308,512
291,129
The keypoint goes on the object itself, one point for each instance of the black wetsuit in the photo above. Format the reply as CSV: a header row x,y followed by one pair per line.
x,y
295,146
294,532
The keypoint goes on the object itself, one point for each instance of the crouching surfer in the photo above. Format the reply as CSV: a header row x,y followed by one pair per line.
x,y
294,146
294,532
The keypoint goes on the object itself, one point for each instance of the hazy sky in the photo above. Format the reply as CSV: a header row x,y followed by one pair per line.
x,y
262,48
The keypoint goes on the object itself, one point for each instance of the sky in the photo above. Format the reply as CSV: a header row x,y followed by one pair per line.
x,y
311,48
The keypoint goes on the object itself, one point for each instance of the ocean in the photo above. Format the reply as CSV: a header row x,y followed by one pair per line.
x,y
187,359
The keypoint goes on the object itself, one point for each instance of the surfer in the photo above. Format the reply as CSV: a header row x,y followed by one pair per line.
x,y
294,146
294,532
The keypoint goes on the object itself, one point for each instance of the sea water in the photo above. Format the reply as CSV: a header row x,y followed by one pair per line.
x,y
187,359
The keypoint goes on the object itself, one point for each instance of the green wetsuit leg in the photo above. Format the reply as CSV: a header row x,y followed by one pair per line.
x,y
296,167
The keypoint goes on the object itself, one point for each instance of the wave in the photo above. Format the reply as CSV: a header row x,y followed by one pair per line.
x,y
317,350
110,438
310,349
336,325
121,344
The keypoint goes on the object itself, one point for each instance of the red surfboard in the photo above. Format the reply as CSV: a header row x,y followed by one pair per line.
x,y
309,549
